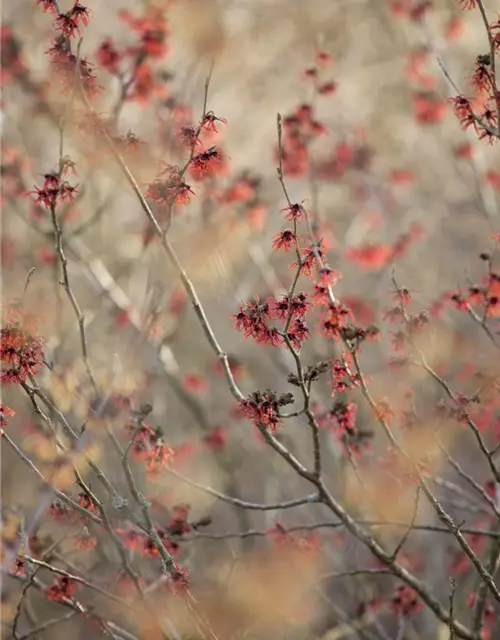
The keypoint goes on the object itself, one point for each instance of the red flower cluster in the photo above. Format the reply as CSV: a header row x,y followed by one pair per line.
x,y
170,190
148,447
428,108
54,189
262,408
178,524
21,351
69,23
405,601
135,540
343,414
62,589
299,129
158,457
486,294
108,56
150,549
253,319
335,319
152,29
85,541
64,63
343,378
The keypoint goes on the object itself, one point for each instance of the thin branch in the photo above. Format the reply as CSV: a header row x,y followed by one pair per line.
x,y
310,499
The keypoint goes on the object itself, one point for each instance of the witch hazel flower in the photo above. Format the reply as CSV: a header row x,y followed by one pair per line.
x,y
169,188
69,23
295,212
54,189
285,240
207,163
188,136
209,121
253,319
262,408
48,6
21,351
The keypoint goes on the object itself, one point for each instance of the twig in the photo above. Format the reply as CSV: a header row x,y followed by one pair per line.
x,y
310,499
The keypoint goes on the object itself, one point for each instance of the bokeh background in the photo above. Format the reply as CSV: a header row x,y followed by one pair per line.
x,y
412,171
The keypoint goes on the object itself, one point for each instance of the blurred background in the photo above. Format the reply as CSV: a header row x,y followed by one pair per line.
x,y
392,179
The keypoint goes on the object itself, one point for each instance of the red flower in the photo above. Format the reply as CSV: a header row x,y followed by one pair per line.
x,y
150,548
252,318
86,502
405,601
130,538
170,190
454,28
243,190
310,72
158,457
209,120
144,84
481,77
19,567
108,56
216,438
296,212
285,240
323,59
188,136
464,150
152,28
47,197
80,14
48,6
5,411
343,379
296,306
208,163
309,261
195,382
66,191
21,351
59,511
428,108
327,88
298,332
85,541
344,415
61,589
67,24
179,524
261,409
370,256
335,320
402,176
